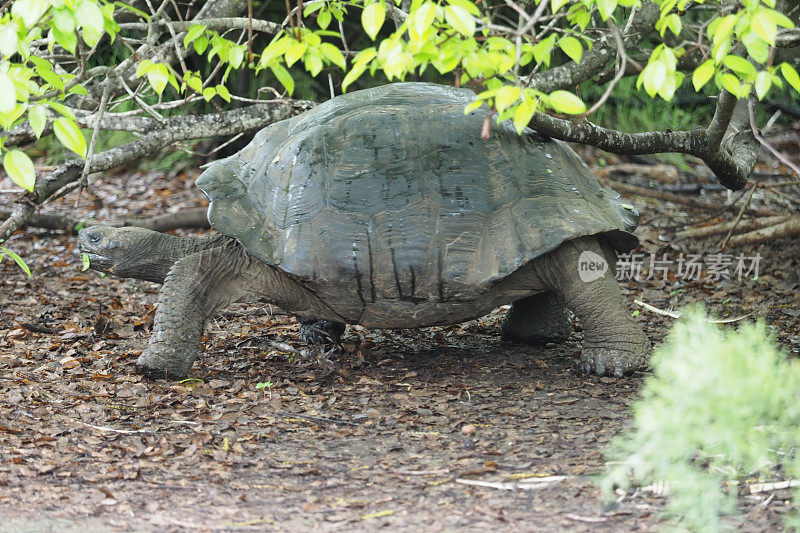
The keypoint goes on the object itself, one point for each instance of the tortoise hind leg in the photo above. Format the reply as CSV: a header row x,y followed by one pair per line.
x,y
537,320
313,331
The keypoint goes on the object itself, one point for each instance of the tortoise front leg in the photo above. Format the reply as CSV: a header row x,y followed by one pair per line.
x,y
196,287
613,344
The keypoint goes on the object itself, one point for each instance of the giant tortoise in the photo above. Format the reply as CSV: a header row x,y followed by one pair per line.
x,y
385,208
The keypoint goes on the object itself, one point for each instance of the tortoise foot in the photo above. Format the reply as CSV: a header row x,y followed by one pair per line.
x,y
172,366
611,362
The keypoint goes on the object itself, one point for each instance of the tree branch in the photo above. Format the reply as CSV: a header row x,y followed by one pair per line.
x,y
598,58
182,128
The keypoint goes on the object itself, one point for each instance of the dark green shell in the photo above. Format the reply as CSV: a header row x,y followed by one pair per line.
x,y
391,192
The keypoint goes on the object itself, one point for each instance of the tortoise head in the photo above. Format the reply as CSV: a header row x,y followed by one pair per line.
x,y
126,252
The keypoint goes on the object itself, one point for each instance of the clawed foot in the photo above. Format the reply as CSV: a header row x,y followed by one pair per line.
x,y
611,362
321,331
172,366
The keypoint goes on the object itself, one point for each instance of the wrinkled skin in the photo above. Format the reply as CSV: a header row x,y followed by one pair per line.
x,y
202,276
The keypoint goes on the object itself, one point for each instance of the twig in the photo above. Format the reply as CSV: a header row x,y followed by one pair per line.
x,y
123,431
783,229
739,216
525,484
673,314
755,488
782,158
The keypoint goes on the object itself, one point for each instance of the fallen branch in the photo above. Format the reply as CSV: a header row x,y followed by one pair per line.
x,y
680,199
662,173
189,219
715,229
770,233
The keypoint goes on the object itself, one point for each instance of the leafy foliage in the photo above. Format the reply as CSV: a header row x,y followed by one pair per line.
x,y
720,407
30,87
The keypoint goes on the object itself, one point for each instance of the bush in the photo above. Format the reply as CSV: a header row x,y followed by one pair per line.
x,y
721,406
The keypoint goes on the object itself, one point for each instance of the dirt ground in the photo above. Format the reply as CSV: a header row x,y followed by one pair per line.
x,y
439,429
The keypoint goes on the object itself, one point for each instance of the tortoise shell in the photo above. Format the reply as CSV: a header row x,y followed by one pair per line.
x,y
391,193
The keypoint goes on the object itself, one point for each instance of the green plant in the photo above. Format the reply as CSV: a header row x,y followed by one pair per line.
x,y
14,257
265,385
720,406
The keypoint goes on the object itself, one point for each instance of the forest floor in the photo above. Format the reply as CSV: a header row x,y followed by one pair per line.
x,y
435,429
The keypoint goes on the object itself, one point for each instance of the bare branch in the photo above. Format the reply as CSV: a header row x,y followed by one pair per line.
x,y
598,58
65,177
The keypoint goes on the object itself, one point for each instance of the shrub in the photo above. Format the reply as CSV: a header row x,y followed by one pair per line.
x,y
721,406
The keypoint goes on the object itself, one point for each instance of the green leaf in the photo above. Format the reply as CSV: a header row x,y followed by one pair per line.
x,y
324,19
763,84
37,118
606,8
460,19
284,77
195,31
313,63
567,103
422,19
543,49
372,18
209,93
756,47
158,76
555,5
91,20
294,51
763,26
30,11
143,67
61,109
740,66
17,259
731,83
276,48
137,12
70,135
8,94
506,96
524,112
200,44
572,47
20,169
85,264
790,75
45,70
222,91
332,54
468,6
653,76
355,72
702,74
9,39
194,82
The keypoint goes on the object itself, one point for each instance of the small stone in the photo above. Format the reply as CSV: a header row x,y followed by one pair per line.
x,y
468,429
